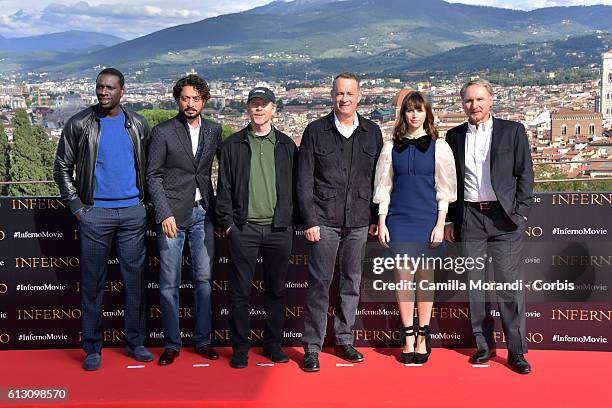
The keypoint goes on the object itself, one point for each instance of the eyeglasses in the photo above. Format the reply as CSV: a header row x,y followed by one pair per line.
x,y
196,99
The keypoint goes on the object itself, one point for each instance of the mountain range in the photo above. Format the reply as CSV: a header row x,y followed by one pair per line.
x,y
320,37
67,41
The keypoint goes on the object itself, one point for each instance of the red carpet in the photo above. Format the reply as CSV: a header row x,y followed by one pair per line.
x,y
559,379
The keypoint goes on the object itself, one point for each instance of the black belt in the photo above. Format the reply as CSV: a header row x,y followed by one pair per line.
x,y
482,205
196,203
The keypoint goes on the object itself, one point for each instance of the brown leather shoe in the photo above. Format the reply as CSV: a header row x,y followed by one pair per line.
x,y
168,356
207,352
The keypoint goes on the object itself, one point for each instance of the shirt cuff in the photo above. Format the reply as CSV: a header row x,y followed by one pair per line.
x,y
383,208
443,205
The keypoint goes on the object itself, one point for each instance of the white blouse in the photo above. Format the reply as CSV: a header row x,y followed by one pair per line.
x,y
444,176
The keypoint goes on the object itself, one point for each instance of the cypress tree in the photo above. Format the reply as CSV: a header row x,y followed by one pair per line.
x,y
27,163
4,159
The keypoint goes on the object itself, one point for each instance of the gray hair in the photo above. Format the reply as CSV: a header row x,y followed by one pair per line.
x,y
481,82
345,75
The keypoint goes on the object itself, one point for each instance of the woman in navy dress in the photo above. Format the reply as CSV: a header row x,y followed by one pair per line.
x,y
415,181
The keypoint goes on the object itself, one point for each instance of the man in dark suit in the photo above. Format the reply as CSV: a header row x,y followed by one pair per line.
x,y
336,167
179,183
494,195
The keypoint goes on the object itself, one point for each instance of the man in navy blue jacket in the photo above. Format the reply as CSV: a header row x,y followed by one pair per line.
x,y
337,159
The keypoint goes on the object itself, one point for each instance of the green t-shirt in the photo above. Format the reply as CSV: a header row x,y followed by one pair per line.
x,y
262,183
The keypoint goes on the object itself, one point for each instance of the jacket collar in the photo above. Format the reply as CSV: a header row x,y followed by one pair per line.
x,y
127,113
244,135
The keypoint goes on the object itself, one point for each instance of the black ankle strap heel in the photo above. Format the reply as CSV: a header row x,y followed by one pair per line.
x,y
420,358
407,333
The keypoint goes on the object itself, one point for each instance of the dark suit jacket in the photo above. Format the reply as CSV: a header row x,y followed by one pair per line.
x,y
511,171
173,173
323,182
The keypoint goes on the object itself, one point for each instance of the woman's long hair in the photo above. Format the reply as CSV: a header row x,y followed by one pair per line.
x,y
415,100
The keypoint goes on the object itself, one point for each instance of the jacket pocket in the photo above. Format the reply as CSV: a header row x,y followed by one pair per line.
x,y
324,193
369,150
365,194
325,204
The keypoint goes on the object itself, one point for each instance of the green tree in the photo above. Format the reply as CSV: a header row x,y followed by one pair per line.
x,y
4,159
550,172
47,152
30,158
156,116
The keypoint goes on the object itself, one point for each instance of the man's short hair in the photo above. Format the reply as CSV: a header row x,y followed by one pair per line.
x,y
482,82
113,72
345,75
195,81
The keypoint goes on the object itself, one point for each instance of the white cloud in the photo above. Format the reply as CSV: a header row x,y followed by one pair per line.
x,y
532,4
127,19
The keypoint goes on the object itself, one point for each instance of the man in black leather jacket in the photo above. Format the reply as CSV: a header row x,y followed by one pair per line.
x,y
100,170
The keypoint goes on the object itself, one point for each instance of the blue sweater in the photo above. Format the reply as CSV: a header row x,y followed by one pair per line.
x,y
115,174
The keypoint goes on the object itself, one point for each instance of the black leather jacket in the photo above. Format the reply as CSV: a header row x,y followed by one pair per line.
x,y
78,146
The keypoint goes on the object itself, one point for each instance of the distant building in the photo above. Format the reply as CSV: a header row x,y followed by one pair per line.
x,y
396,103
568,123
382,115
605,101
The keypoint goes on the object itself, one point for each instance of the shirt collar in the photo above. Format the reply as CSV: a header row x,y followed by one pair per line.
x,y
487,126
355,121
271,136
196,126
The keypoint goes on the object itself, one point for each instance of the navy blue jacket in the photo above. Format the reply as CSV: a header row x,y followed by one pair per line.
x,y
324,183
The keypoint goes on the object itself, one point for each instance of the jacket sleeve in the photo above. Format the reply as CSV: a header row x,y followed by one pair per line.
x,y
63,166
146,140
374,206
155,175
224,206
305,180
523,172
297,217
452,205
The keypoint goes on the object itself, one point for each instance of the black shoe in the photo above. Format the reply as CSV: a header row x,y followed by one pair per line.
x,y
207,352
421,358
482,356
276,354
518,363
407,335
240,359
168,356
311,362
347,352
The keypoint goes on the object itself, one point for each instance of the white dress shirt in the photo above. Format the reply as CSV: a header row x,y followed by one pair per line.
x,y
194,132
346,131
478,185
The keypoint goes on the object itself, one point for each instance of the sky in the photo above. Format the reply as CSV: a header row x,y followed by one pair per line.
x,y
133,18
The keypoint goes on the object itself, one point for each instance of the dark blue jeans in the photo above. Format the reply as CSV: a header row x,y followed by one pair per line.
x,y
97,229
201,238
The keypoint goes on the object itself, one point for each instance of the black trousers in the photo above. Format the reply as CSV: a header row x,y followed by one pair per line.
x,y
274,245
491,234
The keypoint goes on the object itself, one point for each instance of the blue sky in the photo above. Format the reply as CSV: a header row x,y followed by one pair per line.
x,y
133,18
